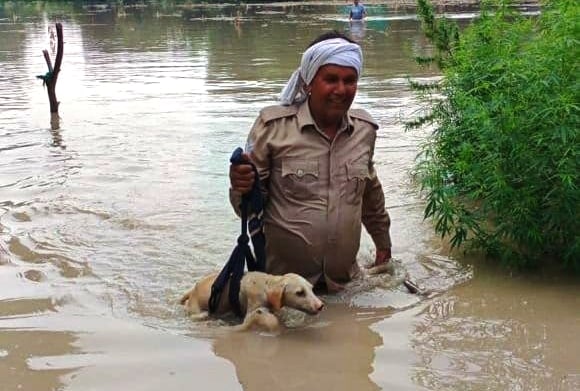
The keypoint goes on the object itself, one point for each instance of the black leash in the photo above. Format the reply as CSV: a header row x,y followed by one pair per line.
x,y
252,206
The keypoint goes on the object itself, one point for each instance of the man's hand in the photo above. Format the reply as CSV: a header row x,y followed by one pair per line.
x,y
382,256
242,176
382,264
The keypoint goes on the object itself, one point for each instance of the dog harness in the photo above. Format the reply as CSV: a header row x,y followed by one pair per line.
x,y
251,207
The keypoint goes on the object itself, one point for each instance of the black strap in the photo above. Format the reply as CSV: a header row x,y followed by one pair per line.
x,y
233,271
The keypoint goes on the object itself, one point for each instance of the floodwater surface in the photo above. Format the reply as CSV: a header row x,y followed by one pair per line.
x,y
108,214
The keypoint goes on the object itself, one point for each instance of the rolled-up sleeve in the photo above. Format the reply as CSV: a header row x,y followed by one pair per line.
x,y
257,147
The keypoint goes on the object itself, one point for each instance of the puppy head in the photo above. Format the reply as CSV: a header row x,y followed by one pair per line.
x,y
262,319
295,292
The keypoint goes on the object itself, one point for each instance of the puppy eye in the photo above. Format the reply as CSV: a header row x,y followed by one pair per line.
x,y
301,293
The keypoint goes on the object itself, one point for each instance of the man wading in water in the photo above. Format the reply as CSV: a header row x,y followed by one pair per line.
x,y
357,11
314,157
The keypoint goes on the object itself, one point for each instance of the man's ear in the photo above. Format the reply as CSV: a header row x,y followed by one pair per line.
x,y
275,297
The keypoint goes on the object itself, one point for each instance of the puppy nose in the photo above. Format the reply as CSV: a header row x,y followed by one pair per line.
x,y
320,307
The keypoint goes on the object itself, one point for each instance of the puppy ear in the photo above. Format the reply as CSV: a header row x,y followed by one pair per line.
x,y
275,296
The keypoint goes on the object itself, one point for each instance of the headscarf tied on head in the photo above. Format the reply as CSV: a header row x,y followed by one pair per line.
x,y
335,51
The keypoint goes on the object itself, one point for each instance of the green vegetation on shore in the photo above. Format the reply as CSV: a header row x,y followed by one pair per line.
x,y
500,168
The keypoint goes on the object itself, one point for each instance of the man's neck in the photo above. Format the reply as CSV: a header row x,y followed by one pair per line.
x,y
329,128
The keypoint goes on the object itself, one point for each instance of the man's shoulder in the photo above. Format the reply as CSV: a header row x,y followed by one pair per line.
x,y
271,113
363,115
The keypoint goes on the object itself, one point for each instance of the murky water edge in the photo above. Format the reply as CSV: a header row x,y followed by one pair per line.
x,y
106,220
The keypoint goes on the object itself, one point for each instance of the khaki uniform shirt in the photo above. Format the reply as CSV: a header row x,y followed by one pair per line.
x,y
317,192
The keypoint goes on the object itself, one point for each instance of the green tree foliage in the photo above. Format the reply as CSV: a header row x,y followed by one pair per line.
x,y
500,169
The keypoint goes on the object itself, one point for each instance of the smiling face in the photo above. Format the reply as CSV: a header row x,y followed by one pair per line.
x,y
332,91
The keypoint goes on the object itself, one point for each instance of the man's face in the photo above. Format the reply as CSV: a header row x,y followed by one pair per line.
x,y
332,91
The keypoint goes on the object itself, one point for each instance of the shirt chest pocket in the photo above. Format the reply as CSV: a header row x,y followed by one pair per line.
x,y
356,176
300,178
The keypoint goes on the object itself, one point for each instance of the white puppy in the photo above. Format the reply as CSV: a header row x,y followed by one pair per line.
x,y
257,289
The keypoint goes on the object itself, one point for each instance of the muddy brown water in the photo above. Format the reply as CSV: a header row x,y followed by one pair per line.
x,y
107,216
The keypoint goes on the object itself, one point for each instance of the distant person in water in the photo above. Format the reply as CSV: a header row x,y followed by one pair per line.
x,y
357,11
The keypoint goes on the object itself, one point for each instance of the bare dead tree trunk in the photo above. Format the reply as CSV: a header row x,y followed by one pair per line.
x,y
50,78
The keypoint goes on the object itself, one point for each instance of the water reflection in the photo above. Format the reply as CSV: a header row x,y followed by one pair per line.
x,y
357,30
17,368
336,353
480,338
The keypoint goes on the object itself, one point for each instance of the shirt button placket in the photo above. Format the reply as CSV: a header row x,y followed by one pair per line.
x,y
333,195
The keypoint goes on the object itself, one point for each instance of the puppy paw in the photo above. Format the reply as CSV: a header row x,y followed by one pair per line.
x,y
199,317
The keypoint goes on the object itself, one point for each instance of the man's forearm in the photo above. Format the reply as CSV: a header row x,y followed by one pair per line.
x,y
375,217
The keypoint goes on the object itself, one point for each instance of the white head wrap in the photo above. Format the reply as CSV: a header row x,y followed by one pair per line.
x,y
335,51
